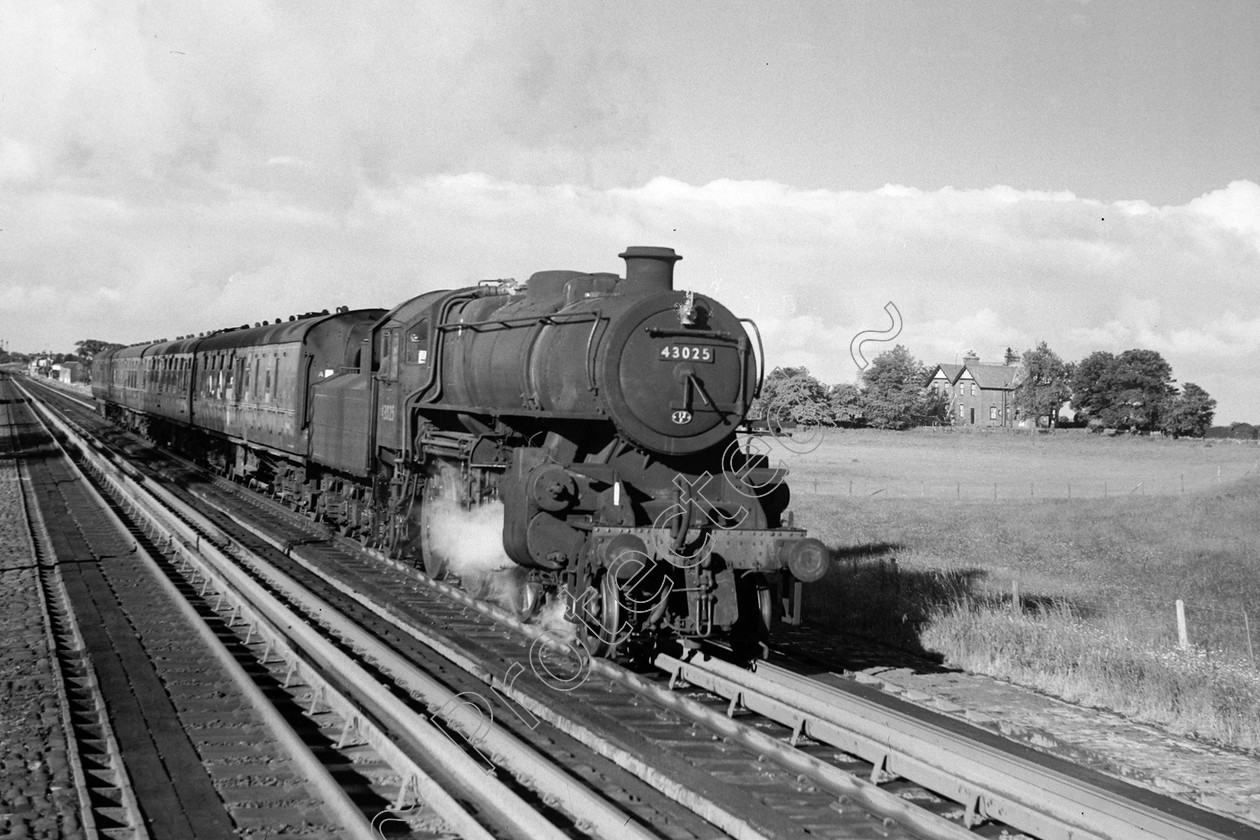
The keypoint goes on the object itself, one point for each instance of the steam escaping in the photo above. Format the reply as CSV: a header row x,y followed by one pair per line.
x,y
470,540
554,617
472,543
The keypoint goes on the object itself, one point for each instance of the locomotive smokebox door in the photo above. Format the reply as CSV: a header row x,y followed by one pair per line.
x,y
673,386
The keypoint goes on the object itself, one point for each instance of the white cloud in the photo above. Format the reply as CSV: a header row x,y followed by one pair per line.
x,y
1235,208
983,269
169,170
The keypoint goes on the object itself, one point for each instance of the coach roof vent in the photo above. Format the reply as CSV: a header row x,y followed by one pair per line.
x,y
650,268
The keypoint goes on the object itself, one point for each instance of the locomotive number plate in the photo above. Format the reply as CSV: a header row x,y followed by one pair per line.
x,y
686,353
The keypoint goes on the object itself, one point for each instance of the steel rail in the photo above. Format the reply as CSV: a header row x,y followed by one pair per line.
x,y
338,802
991,782
868,795
286,631
404,725
464,716
53,593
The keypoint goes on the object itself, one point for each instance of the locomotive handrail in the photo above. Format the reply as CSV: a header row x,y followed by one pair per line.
x,y
761,355
439,351
659,332
590,357
551,320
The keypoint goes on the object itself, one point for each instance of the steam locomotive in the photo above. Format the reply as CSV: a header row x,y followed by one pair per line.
x,y
599,411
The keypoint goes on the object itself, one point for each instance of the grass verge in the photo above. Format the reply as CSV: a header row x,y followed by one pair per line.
x,y
1097,582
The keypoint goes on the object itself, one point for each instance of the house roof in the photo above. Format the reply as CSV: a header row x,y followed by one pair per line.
x,y
993,376
951,372
997,377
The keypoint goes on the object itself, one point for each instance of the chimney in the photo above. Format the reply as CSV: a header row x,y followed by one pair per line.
x,y
650,269
970,358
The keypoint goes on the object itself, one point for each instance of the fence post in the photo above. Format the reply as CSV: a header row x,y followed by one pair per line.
x,y
1016,606
1183,640
1104,489
1183,483
1247,626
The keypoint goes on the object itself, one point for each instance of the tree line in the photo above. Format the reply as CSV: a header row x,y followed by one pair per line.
x,y
85,349
1133,391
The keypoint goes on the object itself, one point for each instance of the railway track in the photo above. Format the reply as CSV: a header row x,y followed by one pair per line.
x,y
698,747
354,685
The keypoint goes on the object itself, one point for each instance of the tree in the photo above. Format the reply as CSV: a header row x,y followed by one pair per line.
x,y
792,394
89,347
845,402
1129,391
1043,386
1188,414
1090,384
896,394
1144,381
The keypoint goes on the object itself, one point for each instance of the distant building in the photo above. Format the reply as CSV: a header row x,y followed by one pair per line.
x,y
71,372
979,395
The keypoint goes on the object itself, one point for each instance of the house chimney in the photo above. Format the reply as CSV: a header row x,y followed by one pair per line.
x,y
970,358
650,269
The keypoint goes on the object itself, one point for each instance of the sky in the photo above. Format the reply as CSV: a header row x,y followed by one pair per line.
x,y
1081,173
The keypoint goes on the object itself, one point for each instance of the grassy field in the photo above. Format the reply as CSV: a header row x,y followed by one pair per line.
x,y
979,466
1097,577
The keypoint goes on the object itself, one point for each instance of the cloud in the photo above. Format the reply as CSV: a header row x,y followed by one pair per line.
x,y
979,269
169,170
1235,208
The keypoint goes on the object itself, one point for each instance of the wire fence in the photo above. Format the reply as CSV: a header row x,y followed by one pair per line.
x,y
1225,632
1010,489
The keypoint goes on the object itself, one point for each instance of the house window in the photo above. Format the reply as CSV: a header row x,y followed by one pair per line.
x,y
993,412
960,411
973,389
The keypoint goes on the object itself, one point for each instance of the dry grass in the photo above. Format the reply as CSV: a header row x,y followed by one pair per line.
x,y
1094,662
1097,578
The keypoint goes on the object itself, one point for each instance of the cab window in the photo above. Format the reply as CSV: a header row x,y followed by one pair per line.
x,y
418,344
389,353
